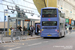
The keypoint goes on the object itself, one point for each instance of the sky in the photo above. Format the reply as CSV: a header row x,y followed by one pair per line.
x,y
27,4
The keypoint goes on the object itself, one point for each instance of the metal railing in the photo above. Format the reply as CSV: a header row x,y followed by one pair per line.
x,y
12,36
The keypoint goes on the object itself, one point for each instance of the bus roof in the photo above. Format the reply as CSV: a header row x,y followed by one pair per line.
x,y
50,7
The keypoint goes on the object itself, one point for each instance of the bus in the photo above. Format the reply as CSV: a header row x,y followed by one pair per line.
x,y
52,22
36,25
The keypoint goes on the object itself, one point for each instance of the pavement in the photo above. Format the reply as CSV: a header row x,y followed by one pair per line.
x,y
8,39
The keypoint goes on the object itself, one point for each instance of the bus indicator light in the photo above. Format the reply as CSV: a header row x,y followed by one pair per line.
x,y
55,15
43,16
42,29
57,30
49,15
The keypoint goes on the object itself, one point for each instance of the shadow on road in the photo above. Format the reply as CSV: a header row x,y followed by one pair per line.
x,y
52,37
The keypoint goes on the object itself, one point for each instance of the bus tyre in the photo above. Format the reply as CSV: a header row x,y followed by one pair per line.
x,y
43,37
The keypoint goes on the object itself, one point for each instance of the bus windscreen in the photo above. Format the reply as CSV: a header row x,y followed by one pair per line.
x,y
49,13
49,23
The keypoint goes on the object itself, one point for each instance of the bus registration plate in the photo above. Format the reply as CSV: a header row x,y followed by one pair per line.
x,y
48,35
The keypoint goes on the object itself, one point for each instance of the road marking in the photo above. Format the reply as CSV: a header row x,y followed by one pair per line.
x,y
9,49
33,39
8,45
14,48
35,44
45,41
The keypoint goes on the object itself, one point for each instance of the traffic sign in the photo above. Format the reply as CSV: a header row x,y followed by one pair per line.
x,y
6,11
27,19
5,18
67,20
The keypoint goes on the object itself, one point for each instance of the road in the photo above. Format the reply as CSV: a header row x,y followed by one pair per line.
x,y
64,43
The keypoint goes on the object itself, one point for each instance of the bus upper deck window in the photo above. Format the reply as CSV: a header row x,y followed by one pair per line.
x,y
49,13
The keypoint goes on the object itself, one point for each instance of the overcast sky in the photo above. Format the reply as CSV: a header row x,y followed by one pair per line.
x,y
29,5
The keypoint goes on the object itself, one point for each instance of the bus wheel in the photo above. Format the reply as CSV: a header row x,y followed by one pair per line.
x,y
44,37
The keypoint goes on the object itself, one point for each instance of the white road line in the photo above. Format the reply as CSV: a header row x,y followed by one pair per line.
x,y
35,44
45,41
38,43
14,48
9,49
33,39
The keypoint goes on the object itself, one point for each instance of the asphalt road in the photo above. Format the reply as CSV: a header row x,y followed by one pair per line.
x,y
64,43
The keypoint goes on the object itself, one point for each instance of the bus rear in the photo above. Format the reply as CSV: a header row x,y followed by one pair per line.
x,y
49,22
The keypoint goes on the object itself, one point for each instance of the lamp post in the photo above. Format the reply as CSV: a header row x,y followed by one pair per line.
x,y
5,13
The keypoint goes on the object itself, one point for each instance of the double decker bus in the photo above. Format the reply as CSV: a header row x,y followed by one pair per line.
x,y
36,25
52,22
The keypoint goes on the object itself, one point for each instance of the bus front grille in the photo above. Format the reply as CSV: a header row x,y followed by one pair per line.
x,y
49,28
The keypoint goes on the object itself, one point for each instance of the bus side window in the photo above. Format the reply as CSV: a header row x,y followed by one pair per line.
x,y
55,23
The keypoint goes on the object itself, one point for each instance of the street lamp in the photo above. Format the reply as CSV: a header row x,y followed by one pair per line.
x,y
5,14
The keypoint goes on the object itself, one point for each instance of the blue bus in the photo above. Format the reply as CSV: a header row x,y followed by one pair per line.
x,y
36,25
52,22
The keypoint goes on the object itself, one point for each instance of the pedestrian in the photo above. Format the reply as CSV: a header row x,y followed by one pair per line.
x,y
31,29
11,28
20,28
24,29
38,29
70,28
12,34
